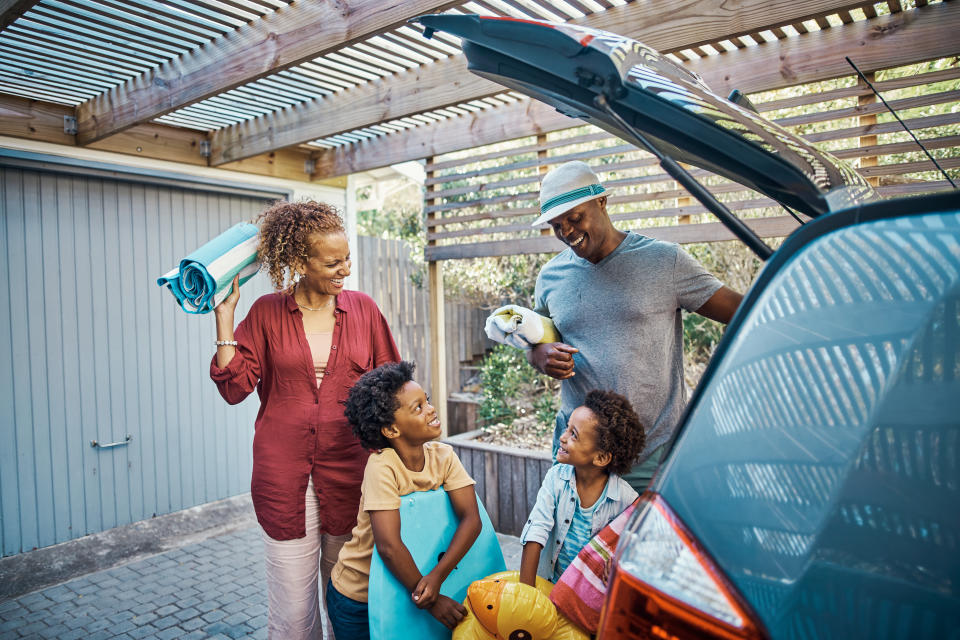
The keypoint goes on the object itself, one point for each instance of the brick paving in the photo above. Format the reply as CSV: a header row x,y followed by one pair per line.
x,y
212,589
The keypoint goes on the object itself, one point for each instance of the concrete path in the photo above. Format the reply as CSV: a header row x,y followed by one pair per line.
x,y
208,589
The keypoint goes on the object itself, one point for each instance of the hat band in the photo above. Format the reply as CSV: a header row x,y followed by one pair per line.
x,y
570,196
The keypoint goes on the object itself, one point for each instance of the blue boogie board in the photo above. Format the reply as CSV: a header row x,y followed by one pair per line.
x,y
427,524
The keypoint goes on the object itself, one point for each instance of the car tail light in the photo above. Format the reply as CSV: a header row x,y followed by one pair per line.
x,y
665,585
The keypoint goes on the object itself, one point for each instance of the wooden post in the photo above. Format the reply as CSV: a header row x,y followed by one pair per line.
x,y
542,170
684,201
867,141
438,331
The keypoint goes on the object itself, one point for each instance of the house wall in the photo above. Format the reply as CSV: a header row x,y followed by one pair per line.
x,y
92,349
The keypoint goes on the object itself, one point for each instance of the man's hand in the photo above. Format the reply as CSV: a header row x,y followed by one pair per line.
x,y
554,359
426,592
448,611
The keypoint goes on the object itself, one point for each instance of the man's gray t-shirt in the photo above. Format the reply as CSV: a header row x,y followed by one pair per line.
x,y
623,314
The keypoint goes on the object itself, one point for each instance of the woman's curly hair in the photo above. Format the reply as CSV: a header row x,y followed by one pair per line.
x,y
619,431
284,229
372,402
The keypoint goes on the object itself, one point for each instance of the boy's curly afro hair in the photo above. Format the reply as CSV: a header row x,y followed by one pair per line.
x,y
372,402
284,231
618,429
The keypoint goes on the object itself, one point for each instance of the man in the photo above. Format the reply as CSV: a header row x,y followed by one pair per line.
x,y
615,298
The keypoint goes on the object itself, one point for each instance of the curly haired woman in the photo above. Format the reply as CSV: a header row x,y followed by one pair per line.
x,y
302,348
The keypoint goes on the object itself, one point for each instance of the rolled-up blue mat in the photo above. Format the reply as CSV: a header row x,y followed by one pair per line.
x,y
203,279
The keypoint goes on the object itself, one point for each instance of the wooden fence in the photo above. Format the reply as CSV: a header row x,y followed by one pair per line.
x,y
386,273
507,479
481,202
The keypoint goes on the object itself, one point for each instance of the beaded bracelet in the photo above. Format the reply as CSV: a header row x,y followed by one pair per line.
x,y
225,343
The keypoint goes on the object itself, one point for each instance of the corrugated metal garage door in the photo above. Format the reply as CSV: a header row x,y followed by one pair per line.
x,y
92,349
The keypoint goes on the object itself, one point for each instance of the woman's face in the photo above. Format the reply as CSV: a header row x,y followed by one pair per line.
x,y
328,262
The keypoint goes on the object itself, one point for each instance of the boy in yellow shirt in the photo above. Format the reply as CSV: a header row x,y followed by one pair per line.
x,y
391,414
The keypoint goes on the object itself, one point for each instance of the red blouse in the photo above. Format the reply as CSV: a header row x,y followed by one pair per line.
x,y
300,428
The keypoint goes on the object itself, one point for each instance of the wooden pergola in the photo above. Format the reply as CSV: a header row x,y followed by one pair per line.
x,y
314,91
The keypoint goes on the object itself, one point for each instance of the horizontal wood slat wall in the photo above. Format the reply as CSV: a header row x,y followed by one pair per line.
x,y
386,276
483,200
507,479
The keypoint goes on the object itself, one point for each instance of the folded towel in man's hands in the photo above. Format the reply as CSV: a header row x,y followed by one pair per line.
x,y
520,327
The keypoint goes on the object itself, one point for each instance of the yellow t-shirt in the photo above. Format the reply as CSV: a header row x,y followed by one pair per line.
x,y
385,480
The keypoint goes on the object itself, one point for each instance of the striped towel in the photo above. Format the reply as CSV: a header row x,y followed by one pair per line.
x,y
520,327
580,591
203,278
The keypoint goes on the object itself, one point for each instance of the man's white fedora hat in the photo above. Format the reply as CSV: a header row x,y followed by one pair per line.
x,y
566,186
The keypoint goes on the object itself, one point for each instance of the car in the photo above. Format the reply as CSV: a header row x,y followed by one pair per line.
x,y
812,489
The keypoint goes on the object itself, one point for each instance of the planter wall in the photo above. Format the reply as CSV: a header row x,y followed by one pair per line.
x,y
507,478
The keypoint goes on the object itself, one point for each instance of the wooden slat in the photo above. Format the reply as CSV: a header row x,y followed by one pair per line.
x,y
913,188
900,105
666,212
898,147
532,194
888,41
546,161
915,124
530,148
909,167
10,10
710,232
541,160
448,82
492,499
283,38
856,91
520,506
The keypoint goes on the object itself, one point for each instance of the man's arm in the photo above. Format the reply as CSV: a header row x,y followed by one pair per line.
x,y
722,305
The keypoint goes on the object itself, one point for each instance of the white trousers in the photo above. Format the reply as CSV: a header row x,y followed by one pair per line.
x,y
293,594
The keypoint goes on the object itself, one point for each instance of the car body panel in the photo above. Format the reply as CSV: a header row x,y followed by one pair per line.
x,y
819,460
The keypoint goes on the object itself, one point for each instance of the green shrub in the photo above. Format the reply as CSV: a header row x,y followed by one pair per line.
x,y
512,388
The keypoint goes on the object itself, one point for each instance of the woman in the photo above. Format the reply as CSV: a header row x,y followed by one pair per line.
x,y
302,348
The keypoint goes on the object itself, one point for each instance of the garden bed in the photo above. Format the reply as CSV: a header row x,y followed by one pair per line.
x,y
508,478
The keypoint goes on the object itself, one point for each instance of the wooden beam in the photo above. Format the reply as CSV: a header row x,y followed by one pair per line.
x,y
886,41
25,118
10,10
525,118
447,82
43,122
289,36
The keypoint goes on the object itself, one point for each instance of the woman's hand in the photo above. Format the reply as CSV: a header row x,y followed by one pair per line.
x,y
224,319
426,592
448,611
229,304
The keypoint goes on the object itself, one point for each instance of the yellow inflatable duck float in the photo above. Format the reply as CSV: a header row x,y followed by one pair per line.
x,y
499,607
